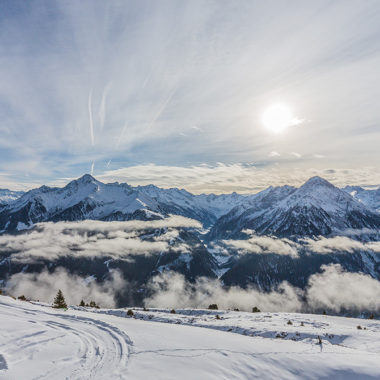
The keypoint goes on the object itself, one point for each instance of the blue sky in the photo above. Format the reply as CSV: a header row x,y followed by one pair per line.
x,y
173,92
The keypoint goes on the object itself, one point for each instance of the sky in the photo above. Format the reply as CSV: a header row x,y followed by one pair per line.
x,y
174,92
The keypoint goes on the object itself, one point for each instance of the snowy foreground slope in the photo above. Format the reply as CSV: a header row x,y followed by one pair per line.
x,y
38,342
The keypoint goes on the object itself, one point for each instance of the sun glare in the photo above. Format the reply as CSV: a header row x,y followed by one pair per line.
x,y
277,118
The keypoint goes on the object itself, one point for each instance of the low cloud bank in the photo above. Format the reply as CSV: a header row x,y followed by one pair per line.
x,y
89,238
340,244
264,245
44,286
333,289
174,221
172,290
257,244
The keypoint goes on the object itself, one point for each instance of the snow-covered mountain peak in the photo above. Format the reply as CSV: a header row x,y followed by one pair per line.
x,y
274,209
315,208
85,180
318,192
316,181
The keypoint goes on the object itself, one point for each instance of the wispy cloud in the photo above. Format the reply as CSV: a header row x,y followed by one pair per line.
x,y
73,76
245,178
91,123
296,155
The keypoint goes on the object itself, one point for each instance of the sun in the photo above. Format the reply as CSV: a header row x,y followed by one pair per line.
x,y
277,118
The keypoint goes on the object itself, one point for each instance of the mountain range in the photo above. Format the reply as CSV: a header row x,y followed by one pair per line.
x,y
88,198
314,210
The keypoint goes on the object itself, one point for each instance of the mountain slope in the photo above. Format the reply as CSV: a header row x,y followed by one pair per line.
x,y
87,198
316,208
370,198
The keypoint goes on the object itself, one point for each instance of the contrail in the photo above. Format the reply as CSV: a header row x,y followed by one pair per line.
x,y
90,117
102,108
120,137
162,108
92,168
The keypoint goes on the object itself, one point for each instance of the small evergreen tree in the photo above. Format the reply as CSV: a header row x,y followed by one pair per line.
x,y
213,306
130,313
255,310
82,303
22,298
59,301
172,311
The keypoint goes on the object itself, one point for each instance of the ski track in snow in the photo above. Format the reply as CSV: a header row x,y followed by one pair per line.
x,y
102,352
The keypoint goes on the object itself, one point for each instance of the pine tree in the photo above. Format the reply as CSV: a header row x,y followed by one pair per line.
x,y
82,303
59,301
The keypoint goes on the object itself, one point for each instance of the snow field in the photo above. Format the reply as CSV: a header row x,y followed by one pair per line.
x,y
38,342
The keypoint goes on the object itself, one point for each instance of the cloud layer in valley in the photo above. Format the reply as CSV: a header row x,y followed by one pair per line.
x,y
264,245
333,289
90,239
341,244
259,244
44,286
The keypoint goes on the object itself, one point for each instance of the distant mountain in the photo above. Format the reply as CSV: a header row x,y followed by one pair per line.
x,y
370,198
267,271
316,208
7,196
88,198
